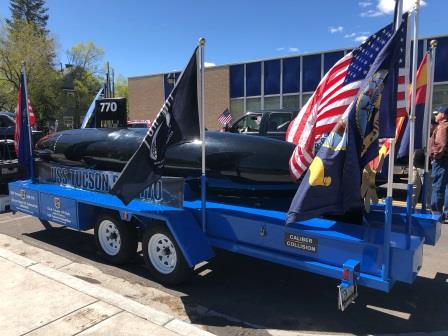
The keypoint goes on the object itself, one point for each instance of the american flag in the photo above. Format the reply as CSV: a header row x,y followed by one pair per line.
x,y
334,94
225,118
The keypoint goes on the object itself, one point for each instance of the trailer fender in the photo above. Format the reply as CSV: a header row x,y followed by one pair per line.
x,y
190,238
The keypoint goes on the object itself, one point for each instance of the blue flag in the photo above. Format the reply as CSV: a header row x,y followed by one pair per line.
x,y
22,134
333,181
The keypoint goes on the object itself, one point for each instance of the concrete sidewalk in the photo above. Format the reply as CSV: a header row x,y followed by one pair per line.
x,y
39,299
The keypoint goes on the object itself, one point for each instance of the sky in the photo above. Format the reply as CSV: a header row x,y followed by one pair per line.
x,y
142,37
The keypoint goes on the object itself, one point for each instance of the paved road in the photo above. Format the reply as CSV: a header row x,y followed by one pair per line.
x,y
267,295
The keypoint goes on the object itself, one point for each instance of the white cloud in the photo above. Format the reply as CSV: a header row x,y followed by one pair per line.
x,y
350,35
360,38
371,13
292,49
334,30
280,49
209,64
365,4
386,7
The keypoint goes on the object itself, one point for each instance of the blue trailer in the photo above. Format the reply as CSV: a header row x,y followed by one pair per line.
x,y
174,239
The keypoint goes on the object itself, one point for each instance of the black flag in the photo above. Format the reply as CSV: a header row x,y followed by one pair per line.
x,y
177,121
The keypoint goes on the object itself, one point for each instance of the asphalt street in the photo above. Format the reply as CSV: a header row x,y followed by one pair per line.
x,y
252,297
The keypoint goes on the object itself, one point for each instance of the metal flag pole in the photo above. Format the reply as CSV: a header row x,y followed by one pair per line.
x,y
412,117
428,111
113,83
390,177
27,111
202,124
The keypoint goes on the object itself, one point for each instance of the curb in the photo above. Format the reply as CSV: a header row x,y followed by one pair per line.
x,y
148,313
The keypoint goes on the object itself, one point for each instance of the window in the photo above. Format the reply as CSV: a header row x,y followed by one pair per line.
x,y
306,97
272,77
441,70
236,81
253,79
253,104
6,121
249,123
440,95
278,122
331,58
236,108
291,75
291,102
311,72
271,102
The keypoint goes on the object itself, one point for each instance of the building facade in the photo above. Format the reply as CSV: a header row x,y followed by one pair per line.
x,y
285,82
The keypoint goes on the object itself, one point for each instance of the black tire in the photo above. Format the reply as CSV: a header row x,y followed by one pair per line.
x,y
128,239
180,272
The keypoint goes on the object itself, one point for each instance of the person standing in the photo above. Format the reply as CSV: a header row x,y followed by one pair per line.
x,y
439,155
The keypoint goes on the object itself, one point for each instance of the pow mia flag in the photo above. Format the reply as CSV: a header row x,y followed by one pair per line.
x,y
177,121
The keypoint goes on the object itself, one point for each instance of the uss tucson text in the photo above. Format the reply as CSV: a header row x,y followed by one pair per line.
x,y
100,181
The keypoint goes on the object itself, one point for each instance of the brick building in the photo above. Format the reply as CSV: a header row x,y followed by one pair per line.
x,y
285,82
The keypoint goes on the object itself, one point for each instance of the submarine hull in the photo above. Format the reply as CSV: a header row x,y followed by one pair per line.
x,y
234,162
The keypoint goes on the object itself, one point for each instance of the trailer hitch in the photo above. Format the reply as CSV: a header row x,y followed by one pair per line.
x,y
348,290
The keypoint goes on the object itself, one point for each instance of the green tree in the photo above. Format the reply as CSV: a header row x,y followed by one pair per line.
x,y
29,11
121,86
82,80
86,56
24,43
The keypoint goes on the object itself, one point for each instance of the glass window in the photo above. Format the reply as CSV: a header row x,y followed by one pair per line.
x,y
253,104
331,58
253,79
236,78
278,122
249,123
272,77
311,72
441,70
271,102
236,108
291,75
306,97
440,96
291,102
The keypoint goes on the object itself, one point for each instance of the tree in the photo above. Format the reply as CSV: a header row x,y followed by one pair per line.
x,y
29,11
86,56
24,43
121,86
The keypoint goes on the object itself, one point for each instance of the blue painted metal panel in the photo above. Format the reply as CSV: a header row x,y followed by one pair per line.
x,y
181,222
424,225
24,200
316,245
60,210
326,244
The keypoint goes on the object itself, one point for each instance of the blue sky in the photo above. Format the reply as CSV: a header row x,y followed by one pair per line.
x,y
152,36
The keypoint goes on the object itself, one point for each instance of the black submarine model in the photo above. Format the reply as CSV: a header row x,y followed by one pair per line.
x,y
235,163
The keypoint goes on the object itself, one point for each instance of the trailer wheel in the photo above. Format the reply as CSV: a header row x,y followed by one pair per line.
x,y
163,256
116,240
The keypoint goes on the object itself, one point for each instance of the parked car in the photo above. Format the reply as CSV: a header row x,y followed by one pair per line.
x,y
269,123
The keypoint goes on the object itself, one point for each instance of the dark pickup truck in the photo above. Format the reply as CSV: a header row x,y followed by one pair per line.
x,y
269,123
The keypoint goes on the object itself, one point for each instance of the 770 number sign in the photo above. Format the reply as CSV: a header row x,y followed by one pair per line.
x,y
108,106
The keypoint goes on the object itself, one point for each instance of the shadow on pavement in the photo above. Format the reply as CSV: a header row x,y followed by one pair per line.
x,y
276,297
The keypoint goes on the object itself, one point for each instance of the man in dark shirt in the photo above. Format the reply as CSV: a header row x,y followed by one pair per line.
x,y
438,149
